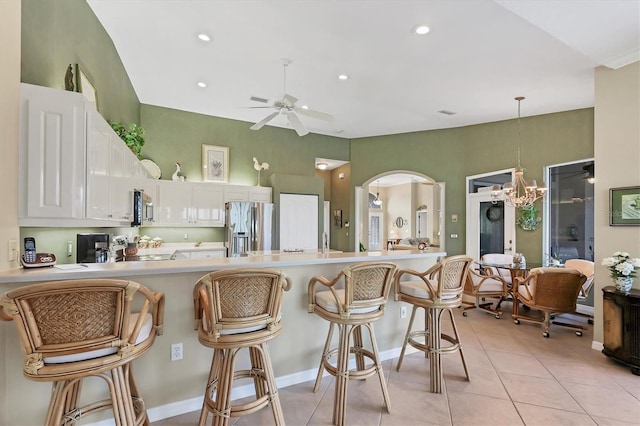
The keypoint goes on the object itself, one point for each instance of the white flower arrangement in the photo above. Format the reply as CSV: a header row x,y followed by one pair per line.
x,y
621,265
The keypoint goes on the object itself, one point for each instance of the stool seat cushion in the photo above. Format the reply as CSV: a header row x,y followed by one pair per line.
x,y
326,301
145,330
420,290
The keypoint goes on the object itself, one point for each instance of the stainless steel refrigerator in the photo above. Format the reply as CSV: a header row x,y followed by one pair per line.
x,y
250,227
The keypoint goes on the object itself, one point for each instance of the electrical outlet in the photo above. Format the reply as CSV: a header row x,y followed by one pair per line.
x,y
403,311
176,351
454,236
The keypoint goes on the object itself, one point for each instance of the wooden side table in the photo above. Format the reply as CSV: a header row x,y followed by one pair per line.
x,y
621,316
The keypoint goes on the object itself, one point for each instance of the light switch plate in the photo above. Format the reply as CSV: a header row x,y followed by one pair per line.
x,y
454,218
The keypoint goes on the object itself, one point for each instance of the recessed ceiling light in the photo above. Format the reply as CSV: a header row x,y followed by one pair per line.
x,y
343,77
322,166
305,107
339,131
202,84
421,29
204,37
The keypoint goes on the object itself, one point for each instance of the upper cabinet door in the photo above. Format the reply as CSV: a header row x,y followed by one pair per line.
x,y
98,167
208,204
51,153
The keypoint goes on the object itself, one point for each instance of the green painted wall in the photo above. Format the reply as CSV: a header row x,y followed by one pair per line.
x,y
56,33
173,135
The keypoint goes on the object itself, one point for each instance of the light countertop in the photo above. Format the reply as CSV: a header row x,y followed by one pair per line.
x,y
179,266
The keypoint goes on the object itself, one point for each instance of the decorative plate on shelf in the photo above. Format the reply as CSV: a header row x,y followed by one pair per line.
x,y
152,168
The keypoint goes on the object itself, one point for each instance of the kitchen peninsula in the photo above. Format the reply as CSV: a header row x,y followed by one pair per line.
x,y
171,388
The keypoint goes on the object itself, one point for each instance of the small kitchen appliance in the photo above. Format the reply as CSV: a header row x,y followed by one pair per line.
x,y
92,248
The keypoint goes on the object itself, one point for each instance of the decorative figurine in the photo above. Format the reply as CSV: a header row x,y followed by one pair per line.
x,y
259,167
177,175
68,79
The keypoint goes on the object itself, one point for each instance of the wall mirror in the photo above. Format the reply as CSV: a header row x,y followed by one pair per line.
x,y
399,222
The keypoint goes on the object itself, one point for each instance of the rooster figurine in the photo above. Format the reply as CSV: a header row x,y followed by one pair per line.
x,y
176,175
259,167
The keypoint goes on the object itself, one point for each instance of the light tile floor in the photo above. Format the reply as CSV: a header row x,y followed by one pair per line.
x,y
518,377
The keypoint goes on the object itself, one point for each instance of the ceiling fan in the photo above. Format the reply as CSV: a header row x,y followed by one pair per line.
x,y
286,105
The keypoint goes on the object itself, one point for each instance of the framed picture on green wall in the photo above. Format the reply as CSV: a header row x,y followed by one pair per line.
x,y
215,163
624,206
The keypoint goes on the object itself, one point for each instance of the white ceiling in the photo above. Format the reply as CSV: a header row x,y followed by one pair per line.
x,y
478,56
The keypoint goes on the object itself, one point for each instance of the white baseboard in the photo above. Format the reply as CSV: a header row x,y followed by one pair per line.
x,y
598,346
195,404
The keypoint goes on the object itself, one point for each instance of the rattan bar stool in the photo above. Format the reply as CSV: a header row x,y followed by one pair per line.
x,y
237,309
438,289
71,330
358,304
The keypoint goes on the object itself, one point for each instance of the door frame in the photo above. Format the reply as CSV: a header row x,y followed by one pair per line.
x,y
473,214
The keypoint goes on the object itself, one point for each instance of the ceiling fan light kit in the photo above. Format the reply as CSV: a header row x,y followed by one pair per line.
x,y
286,105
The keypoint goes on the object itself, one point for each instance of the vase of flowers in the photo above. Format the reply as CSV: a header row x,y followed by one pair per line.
x,y
623,269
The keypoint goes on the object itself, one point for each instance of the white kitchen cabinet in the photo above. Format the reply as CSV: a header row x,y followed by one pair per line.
x,y
260,194
298,221
74,170
189,204
51,154
207,254
247,193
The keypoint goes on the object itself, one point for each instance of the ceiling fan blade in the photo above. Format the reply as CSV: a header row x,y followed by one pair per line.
x,y
296,124
289,100
314,114
257,99
264,121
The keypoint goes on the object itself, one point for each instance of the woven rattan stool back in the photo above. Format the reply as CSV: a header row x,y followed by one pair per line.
x,y
70,330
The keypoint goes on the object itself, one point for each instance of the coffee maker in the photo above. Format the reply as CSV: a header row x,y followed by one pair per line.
x,y
92,248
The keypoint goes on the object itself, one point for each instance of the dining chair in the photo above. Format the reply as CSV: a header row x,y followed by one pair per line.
x,y
587,268
479,285
551,291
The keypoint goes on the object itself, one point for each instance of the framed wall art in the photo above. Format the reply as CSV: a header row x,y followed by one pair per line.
x,y
215,163
624,206
85,86
337,218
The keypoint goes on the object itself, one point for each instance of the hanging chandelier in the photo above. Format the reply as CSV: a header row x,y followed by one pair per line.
x,y
377,201
519,192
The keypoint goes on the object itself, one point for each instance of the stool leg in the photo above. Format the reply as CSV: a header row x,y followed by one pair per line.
x,y
278,415
406,338
257,364
342,376
125,414
357,347
435,361
457,336
383,383
325,351
211,386
222,411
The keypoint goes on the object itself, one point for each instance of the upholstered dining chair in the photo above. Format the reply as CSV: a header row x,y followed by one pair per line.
x,y
72,330
351,301
436,290
587,268
480,285
551,291
239,309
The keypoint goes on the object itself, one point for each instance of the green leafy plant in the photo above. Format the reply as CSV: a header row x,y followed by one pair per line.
x,y
133,136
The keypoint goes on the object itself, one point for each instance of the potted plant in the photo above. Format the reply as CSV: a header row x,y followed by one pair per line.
x,y
133,136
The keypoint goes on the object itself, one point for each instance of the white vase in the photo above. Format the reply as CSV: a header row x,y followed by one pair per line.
x,y
623,284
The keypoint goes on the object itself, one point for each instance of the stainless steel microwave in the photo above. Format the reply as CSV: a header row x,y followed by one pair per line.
x,y
142,208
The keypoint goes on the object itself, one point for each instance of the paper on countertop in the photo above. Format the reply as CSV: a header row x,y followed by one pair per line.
x,y
69,266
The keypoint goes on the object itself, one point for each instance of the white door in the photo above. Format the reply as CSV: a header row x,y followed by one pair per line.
x,y
298,221
491,226
375,231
